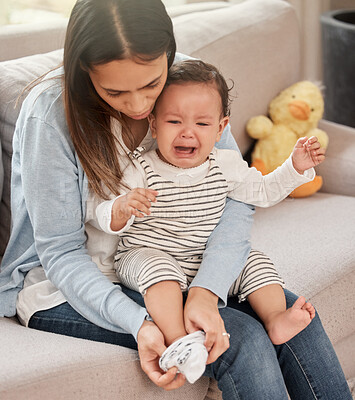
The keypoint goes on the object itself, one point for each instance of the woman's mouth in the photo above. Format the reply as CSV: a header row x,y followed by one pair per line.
x,y
141,116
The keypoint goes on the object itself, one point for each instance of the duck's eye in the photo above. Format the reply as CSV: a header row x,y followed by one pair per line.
x,y
293,96
312,109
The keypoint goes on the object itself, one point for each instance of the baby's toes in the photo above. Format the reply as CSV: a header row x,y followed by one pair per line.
x,y
310,309
312,312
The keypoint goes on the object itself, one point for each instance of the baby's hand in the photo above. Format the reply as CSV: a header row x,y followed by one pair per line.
x,y
136,202
307,153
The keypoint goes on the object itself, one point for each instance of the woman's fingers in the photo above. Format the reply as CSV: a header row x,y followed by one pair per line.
x,y
170,380
218,343
150,347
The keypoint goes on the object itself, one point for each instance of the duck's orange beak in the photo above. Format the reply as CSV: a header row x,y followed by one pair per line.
x,y
299,110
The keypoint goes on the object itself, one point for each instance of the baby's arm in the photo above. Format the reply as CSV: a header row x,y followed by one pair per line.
x,y
114,215
307,153
250,186
136,202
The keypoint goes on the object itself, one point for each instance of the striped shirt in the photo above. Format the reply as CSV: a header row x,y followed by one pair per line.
x,y
190,202
182,219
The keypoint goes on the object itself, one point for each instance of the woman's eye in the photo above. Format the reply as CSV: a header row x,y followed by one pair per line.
x,y
116,94
153,86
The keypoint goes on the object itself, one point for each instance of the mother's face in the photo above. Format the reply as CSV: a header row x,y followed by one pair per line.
x,y
131,86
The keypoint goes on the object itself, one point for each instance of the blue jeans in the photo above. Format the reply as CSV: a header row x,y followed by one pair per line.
x,y
252,368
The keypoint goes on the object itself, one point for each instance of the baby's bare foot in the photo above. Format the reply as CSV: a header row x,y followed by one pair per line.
x,y
285,325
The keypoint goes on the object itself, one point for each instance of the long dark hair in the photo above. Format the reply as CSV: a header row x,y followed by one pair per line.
x,y
100,31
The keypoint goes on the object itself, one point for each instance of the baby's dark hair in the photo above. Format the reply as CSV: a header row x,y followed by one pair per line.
x,y
201,72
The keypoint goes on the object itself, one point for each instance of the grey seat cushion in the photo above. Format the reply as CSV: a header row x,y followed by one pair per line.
x,y
311,242
1,172
61,367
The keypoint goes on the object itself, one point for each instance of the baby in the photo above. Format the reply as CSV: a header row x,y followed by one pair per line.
x,y
178,198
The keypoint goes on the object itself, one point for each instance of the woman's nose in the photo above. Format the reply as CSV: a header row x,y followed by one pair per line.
x,y
137,103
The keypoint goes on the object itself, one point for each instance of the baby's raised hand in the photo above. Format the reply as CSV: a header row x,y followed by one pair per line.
x,y
307,153
136,202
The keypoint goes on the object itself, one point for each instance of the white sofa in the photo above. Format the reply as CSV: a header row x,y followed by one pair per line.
x,y
257,44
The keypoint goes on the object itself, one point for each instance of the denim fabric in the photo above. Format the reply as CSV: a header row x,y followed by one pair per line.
x,y
252,368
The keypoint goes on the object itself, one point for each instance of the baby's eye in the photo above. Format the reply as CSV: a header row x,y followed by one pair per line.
x,y
202,124
173,121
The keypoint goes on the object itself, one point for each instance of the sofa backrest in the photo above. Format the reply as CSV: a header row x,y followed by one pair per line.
x,y
255,44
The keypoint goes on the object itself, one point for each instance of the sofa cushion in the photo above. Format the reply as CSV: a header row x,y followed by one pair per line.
x,y
70,368
15,75
314,235
175,11
1,171
20,40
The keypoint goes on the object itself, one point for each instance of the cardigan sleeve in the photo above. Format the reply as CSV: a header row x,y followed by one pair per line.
x,y
53,196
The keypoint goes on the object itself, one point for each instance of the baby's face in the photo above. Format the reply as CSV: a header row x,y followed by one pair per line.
x,y
187,123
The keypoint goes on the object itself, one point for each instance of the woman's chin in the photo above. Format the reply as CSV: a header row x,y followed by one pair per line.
x,y
139,117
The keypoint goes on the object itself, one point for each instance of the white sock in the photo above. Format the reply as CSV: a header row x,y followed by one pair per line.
x,y
188,354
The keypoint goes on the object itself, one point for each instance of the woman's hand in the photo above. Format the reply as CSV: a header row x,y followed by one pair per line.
x,y
150,348
201,313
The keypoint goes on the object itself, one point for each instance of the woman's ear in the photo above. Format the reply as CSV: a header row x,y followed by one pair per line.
x,y
222,124
152,125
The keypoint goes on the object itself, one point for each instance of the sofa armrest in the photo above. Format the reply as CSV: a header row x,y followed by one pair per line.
x,y
338,169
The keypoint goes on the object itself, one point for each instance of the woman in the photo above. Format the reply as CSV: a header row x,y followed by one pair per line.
x,y
54,274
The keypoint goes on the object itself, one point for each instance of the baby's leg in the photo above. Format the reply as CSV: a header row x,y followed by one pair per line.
x,y
260,283
165,305
281,324
160,279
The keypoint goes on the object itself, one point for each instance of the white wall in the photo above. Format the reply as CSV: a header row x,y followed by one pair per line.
x,y
308,12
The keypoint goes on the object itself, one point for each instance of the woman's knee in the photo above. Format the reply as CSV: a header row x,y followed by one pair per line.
x,y
250,366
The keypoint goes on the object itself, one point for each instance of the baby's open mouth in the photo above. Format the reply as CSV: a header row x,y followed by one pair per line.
x,y
185,150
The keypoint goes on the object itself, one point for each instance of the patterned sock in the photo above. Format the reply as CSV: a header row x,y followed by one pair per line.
x,y
188,354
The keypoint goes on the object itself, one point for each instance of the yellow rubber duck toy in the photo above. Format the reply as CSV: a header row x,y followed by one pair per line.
x,y
294,113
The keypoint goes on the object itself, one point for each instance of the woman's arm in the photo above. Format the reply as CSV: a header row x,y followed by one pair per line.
x,y
53,190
